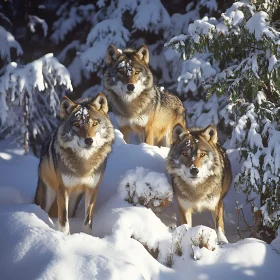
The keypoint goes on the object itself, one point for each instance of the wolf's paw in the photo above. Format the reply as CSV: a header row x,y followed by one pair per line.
x,y
87,229
221,237
65,229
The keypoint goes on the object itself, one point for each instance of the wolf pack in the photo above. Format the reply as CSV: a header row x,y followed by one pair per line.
x,y
73,158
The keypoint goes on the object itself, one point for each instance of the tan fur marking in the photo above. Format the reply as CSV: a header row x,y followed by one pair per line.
x,y
159,124
185,216
182,215
49,175
217,215
132,79
197,163
149,139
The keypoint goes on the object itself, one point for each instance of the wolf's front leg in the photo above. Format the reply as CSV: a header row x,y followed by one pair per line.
x,y
62,205
185,216
74,200
90,198
218,219
149,136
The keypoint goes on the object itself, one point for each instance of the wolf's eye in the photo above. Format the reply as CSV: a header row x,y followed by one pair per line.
x,y
202,155
76,125
95,123
121,72
137,72
185,154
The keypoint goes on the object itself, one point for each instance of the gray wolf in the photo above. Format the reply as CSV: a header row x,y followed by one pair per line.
x,y
73,159
200,172
140,106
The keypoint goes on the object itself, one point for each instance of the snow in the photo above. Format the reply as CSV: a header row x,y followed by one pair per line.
x,y
38,84
32,75
103,34
8,42
149,188
180,22
203,113
13,161
232,15
276,242
100,3
152,16
181,37
124,236
148,15
83,114
260,169
34,20
194,73
127,67
136,232
68,20
258,25
272,61
76,69
232,23
200,28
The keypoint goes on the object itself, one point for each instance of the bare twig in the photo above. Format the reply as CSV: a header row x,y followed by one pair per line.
x,y
241,216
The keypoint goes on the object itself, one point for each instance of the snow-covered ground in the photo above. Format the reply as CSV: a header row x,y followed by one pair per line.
x,y
31,247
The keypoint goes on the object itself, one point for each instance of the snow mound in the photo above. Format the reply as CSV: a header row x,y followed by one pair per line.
x,y
10,195
145,187
34,250
187,242
128,242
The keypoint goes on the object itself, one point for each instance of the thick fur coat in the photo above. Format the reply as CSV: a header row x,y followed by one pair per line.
x,y
201,174
73,159
140,106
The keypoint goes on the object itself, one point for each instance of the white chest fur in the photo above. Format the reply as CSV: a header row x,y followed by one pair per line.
x,y
70,181
139,121
207,204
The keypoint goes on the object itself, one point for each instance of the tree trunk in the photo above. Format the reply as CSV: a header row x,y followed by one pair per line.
x,y
25,122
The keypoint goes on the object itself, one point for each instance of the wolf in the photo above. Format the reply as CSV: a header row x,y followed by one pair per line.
x,y
138,105
73,159
201,174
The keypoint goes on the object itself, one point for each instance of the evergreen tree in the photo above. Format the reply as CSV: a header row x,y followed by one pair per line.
x,y
85,30
29,92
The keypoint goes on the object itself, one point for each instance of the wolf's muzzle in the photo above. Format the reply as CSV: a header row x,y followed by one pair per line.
x,y
88,141
130,87
194,171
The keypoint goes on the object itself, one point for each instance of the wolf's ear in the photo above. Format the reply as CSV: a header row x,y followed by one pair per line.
x,y
177,133
100,103
112,54
143,54
66,107
210,134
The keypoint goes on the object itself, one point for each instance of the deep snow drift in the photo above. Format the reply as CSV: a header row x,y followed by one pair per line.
x,y
31,248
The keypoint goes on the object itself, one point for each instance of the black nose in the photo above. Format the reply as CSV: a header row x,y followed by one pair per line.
x,y
88,141
130,87
194,171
